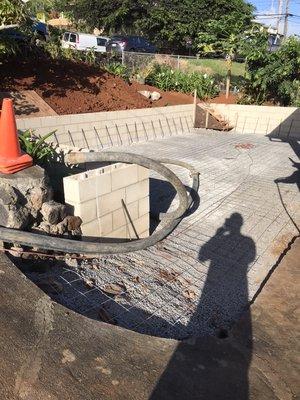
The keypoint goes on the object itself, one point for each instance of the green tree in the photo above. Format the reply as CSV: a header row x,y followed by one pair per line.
x,y
12,12
166,23
272,76
225,36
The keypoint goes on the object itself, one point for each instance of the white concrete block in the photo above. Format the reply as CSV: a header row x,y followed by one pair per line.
x,y
119,218
133,210
144,206
71,190
137,191
110,201
141,225
106,224
121,177
120,233
87,211
91,229
143,173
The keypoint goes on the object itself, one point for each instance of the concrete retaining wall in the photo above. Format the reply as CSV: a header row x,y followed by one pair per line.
x,y
282,122
113,128
112,201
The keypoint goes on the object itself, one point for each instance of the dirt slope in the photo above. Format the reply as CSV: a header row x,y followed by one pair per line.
x,y
70,87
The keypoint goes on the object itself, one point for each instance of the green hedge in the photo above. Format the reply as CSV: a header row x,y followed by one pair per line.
x,y
168,79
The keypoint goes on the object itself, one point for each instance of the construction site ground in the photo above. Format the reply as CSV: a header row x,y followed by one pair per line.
x,y
233,248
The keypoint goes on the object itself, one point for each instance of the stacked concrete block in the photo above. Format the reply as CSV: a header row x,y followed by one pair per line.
x,y
112,201
113,128
281,122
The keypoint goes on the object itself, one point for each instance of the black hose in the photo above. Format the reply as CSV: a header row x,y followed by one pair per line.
x,y
83,247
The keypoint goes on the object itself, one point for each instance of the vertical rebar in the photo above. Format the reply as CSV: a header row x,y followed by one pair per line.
x,y
98,137
129,133
243,130
268,125
161,128
289,132
136,132
154,132
57,142
107,131
85,139
175,126
279,129
71,138
256,125
118,133
147,139
169,126
236,122
181,124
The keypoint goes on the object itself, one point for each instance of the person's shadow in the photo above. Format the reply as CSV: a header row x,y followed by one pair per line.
x,y
294,178
215,366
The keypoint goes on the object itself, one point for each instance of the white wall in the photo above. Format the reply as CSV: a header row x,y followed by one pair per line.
x,y
282,122
113,128
112,201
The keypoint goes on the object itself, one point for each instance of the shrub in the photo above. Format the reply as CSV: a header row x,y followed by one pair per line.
x,y
118,69
36,146
168,79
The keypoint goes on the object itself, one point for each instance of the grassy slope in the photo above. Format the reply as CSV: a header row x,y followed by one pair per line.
x,y
218,68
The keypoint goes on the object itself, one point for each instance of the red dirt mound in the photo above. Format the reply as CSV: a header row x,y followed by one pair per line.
x,y
70,87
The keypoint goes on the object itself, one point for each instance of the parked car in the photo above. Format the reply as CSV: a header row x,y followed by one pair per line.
x,y
84,42
13,31
121,43
41,29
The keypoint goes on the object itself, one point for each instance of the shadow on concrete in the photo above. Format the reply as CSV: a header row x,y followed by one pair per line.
x,y
294,178
290,135
162,195
225,292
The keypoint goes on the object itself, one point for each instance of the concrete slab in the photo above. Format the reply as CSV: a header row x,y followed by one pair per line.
x,y
200,279
28,104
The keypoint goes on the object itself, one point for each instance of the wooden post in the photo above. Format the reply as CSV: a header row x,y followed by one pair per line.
x,y
195,108
206,119
228,76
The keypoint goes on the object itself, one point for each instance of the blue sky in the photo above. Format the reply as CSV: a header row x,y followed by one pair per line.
x,y
271,7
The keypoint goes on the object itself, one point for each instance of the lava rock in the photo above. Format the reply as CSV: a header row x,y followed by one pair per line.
x,y
53,212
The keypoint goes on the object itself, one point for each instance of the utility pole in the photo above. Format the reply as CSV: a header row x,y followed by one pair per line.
x,y
279,15
286,18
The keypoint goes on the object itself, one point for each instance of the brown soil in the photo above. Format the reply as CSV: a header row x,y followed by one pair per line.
x,y
167,98
221,99
70,87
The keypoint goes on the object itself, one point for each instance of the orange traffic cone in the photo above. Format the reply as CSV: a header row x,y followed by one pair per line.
x,y
11,158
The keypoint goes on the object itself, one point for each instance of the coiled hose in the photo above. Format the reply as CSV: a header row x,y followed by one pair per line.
x,y
83,247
